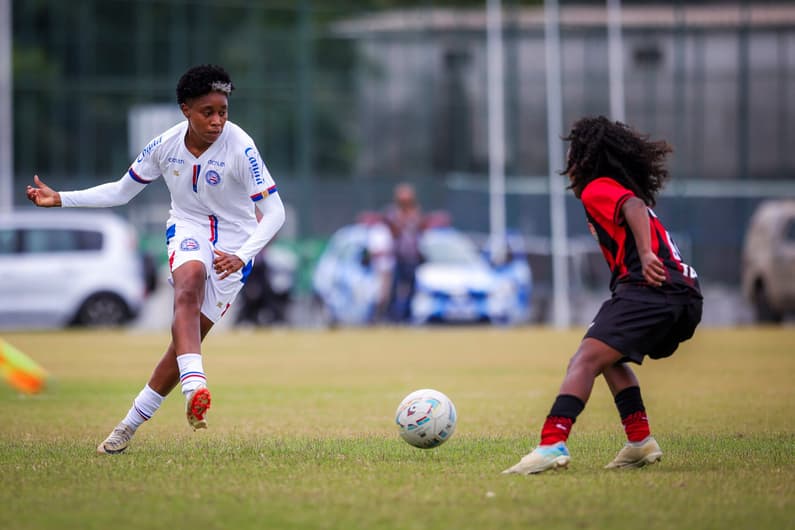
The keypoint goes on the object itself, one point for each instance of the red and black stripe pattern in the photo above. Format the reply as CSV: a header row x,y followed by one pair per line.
x,y
603,199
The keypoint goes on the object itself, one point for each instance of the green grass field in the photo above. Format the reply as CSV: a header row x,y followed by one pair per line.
x,y
302,435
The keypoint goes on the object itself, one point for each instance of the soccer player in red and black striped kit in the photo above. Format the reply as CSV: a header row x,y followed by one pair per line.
x,y
656,301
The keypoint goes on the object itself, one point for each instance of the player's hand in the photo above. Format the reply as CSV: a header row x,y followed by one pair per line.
x,y
225,264
42,195
653,269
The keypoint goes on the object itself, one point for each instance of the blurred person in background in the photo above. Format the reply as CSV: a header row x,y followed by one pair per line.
x,y
380,257
405,220
216,179
656,300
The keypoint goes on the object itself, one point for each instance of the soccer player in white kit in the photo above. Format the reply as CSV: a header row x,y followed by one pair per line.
x,y
216,178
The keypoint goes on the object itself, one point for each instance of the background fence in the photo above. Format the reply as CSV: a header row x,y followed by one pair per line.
x,y
346,99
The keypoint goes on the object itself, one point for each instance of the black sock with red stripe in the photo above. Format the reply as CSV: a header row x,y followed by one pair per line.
x,y
633,414
561,417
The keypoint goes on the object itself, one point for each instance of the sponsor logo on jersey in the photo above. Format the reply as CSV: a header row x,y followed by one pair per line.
x,y
212,177
189,244
252,161
148,149
174,160
216,163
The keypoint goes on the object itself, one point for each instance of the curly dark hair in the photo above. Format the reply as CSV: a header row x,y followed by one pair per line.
x,y
600,147
201,80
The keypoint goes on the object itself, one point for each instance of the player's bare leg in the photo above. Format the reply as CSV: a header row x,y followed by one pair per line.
x,y
189,283
619,377
592,358
186,330
166,374
164,378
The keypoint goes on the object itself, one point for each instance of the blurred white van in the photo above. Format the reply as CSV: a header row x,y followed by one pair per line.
x,y
68,267
768,273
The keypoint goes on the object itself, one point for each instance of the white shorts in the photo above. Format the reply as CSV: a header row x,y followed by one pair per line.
x,y
188,243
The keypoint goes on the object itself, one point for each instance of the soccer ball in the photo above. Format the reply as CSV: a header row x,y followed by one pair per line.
x,y
426,418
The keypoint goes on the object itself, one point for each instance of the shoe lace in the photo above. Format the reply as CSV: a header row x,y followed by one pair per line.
x,y
120,434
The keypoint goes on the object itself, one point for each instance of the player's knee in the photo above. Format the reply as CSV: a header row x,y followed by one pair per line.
x,y
188,299
590,359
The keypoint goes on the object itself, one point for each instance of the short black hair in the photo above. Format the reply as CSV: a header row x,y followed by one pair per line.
x,y
201,80
600,147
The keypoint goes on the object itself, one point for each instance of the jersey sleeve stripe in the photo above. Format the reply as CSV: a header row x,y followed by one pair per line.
x,y
262,194
137,178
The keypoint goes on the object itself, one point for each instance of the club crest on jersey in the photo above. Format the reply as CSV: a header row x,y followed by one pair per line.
x,y
212,177
189,244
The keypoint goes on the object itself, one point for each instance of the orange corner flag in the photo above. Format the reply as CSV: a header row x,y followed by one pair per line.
x,y
20,371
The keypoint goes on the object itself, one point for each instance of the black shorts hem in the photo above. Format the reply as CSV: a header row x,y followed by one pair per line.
x,y
638,329
627,354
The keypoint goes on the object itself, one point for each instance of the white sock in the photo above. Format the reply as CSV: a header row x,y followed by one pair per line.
x,y
191,372
144,406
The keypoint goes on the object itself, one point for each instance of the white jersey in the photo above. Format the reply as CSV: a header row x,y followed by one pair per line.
x,y
214,191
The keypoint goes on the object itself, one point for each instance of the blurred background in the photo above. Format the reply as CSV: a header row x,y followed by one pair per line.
x,y
462,101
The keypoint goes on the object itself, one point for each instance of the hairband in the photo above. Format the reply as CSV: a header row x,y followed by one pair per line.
x,y
220,86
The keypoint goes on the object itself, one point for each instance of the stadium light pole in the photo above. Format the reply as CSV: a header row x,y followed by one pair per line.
x,y
6,116
615,60
496,129
557,186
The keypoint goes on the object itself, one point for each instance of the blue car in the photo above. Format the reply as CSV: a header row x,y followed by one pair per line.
x,y
456,283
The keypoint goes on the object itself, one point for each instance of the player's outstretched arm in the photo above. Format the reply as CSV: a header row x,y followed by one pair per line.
x,y
42,195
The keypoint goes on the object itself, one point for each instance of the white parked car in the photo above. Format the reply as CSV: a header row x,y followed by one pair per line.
x,y
457,283
344,281
67,267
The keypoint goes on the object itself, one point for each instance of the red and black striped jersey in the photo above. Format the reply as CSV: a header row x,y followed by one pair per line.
x,y
603,199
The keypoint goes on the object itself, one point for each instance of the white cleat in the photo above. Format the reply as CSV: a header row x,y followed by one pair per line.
x,y
117,441
540,459
637,454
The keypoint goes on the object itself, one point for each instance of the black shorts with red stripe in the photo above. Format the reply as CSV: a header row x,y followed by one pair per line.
x,y
644,322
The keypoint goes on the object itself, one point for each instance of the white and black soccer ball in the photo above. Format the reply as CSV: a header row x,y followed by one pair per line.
x,y
426,418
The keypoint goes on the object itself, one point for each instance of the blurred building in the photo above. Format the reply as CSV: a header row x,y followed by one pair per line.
x,y
716,80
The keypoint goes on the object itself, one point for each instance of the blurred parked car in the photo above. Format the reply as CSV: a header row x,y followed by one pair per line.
x,y
345,285
455,283
266,296
768,268
69,267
